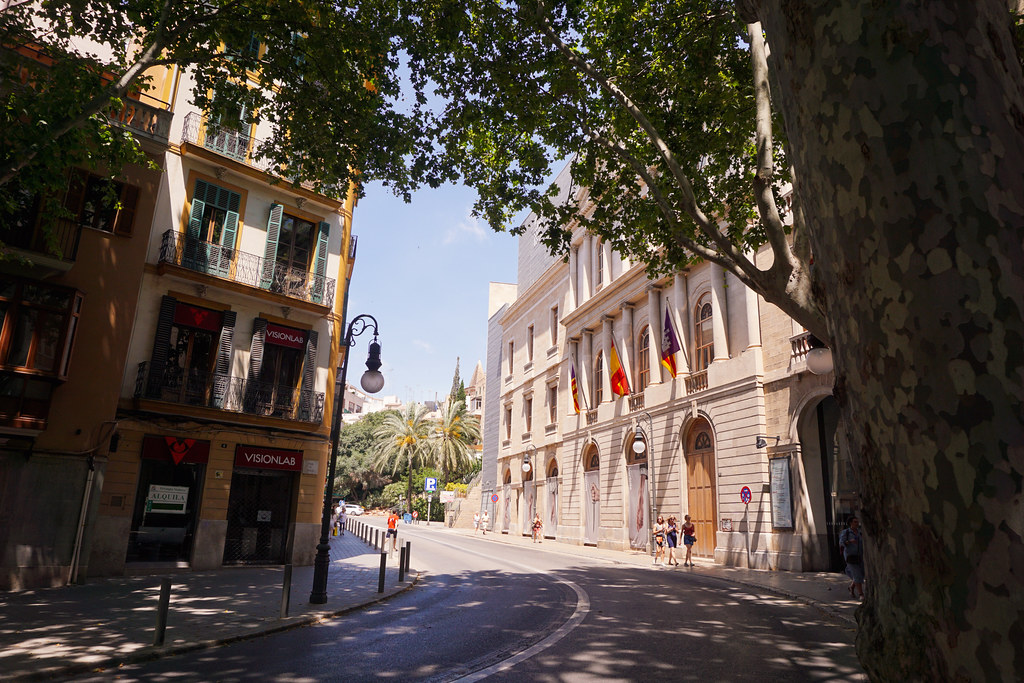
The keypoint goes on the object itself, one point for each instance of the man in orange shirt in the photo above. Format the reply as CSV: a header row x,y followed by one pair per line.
x,y
392,530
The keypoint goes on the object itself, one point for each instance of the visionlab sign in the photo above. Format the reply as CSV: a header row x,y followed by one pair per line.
x,y
268,458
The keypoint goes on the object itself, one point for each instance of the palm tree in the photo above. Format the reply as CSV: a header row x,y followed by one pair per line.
x,y
455,432
403,440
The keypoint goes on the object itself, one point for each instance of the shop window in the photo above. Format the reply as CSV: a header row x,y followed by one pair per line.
x,y
703,334
644,360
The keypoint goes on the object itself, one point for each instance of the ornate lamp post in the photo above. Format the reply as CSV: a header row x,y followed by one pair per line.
x,y
372,382
640,445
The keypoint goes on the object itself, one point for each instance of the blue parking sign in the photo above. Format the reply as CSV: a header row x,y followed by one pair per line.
x,y
430,484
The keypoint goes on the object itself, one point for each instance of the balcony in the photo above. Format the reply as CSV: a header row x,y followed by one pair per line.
x,y
697,381
591,417
799,346
143,119
230,394
636,402
247,269
61,245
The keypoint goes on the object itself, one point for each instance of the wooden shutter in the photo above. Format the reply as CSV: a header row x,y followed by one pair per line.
x,y
195,222
161,343
222,369
252,382
126,213
273,236
308,378
320,262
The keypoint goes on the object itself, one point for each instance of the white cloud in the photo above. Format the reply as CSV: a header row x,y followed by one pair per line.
x,y
423,345
469,226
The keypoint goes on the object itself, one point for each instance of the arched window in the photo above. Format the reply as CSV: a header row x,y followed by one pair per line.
x,y
508,476
643,364
552,468
598,380
599,266
592,461
703,335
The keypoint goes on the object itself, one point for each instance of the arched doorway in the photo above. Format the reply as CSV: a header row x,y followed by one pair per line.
x,y
831,487
506,497
591,495
551,526
700,487
638,516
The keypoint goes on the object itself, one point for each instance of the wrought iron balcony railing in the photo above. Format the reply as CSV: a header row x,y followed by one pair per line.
x,y
247,269
232,394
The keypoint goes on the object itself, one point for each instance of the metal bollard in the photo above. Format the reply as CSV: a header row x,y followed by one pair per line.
x,y
383,571
408,552
401,565
286,590
161,611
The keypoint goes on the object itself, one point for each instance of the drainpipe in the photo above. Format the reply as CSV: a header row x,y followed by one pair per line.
x,y
76,554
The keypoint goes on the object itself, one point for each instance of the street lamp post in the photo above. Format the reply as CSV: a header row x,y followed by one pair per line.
x,y
372,382
640,445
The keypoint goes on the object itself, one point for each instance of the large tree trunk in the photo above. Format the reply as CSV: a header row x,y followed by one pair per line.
x,y
906,126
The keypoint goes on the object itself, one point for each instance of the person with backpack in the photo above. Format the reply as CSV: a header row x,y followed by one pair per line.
x,y
853,555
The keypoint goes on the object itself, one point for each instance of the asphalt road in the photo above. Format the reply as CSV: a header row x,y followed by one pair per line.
x,y
489,610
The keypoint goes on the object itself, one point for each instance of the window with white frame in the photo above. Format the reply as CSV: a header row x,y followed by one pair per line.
x,y
703,337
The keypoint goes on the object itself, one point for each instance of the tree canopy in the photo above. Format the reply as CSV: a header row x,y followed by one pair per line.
x,y
322,73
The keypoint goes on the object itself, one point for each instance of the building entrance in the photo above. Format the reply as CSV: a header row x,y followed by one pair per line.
x,y
258,517
700,488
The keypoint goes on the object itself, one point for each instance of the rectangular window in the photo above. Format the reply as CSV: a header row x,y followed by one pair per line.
x,y
552,404
528,409
554,325
511,353
508,422
529,344
37,326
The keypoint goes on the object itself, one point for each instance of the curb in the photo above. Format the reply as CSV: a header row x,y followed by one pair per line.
x,y
156,653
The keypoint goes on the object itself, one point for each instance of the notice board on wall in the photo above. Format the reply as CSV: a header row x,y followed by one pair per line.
x,y
782,493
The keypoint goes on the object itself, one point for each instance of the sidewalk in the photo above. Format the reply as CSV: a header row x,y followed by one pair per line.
x,y
59,632
827,591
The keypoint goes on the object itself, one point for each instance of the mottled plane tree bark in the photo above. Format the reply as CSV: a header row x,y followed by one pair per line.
x,y
905,123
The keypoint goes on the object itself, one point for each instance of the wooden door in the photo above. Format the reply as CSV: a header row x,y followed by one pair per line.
x,y
700,486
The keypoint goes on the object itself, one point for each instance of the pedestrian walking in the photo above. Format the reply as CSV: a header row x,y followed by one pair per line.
x,y
342,520
537,526
484,521
672,540
392,530
659,539
476,522
853,555
689,538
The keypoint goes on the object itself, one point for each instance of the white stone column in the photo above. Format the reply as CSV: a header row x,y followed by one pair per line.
x,y
606,343
720,314
586,375
587,269
655,317
751,303
574,285
682,319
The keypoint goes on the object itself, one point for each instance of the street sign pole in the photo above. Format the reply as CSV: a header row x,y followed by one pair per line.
x,y
430,498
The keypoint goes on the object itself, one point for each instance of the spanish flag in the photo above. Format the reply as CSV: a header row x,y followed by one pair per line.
x,y
575,388
669,345
620,383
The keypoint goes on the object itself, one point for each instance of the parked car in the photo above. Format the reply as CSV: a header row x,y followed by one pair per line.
x,y
353,509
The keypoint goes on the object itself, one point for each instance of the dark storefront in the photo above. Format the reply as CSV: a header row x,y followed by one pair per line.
x,y
167,499
260,509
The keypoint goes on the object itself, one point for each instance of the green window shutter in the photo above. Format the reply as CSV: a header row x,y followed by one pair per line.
x,y
320,262
195,221
273,236
308,378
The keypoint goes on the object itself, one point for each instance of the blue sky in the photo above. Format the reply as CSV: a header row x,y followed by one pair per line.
x,y
422,270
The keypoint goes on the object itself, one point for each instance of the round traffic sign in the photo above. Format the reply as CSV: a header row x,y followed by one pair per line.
x,y
494,497
745,494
